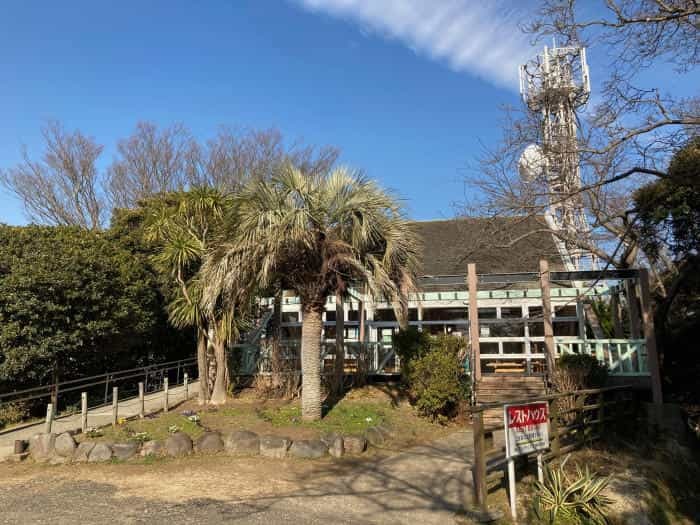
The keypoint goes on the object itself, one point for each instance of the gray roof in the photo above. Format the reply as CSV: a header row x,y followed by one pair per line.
x,y
495,245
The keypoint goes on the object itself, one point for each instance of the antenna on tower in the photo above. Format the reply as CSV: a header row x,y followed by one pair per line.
x,y
555,85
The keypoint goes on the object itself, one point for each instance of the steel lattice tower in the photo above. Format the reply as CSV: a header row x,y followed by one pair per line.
x,y
554,86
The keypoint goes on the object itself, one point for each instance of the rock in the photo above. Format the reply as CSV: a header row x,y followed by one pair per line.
x,y
374,436
337,448
209,442
124,451
65,445
83,451
329,438
354,444
178,444
41,446
100,452
274,446
242,443
152,448
59,460
308,449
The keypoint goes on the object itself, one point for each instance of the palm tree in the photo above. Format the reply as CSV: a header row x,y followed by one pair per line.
x,y
184,224
322,234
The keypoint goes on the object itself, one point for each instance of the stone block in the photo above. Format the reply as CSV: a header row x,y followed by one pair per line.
x,y
354,444
152,448
209,442
65,445
99,453
83,451
124,451
308,449
274,446
178,444
242,443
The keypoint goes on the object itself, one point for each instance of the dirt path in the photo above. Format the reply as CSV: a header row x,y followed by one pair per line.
x,y
97,417
425,485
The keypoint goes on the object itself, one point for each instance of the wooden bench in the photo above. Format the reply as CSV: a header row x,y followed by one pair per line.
x,y
507,367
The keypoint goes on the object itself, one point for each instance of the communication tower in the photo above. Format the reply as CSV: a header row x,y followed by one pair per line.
x,y
555,85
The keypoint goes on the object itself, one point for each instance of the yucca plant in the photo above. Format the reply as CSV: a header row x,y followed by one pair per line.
x,y
577,500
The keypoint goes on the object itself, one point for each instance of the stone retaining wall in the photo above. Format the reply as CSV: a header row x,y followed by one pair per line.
x,y
62,448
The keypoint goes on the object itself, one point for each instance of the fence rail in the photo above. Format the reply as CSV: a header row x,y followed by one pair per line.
x,y
68,393
575,419
623,357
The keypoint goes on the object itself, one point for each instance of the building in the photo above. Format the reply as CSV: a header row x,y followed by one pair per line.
x,y
511,321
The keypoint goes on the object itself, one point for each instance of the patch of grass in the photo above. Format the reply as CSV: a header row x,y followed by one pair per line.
x,y
343,418
156,428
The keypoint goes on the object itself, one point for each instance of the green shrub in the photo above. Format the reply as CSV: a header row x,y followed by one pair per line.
x,y
11,413
436,376
409,344
563,500
579,371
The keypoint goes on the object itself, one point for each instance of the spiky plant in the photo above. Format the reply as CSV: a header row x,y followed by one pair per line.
x,y
184,225
320,233
577,500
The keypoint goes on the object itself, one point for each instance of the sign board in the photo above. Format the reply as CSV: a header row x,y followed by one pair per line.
x,y
527,428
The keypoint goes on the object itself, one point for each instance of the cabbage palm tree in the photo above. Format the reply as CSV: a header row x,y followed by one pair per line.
x,y
184,224
322,234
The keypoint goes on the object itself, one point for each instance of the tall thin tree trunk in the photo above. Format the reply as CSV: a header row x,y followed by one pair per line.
x,y
339,362
220,389
202,367
311,362
276,333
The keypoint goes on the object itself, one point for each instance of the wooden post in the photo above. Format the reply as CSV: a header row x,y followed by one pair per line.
x,y
165,394
115,406
49,418
632,302
19,446
479,468
650,337
553,427
186,382
142,410
474,320
550,350
83,412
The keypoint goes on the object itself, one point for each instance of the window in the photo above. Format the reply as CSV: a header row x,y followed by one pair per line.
x,y
565,311
353,315
444,314
385,315
511,312
487,313
513,348
291,332
564,328
507,329
488,348
330,316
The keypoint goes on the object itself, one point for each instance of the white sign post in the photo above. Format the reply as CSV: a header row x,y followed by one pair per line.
x,y
527,431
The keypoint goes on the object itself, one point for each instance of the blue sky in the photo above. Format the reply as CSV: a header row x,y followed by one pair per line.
x,y
407,91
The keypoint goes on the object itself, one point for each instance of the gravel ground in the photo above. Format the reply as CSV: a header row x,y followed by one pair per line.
x,y
425,485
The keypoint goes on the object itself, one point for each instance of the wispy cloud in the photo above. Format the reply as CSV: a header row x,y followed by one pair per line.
x,y
481,38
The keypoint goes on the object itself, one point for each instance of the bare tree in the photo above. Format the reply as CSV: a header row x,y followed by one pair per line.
x,y
231,158
150,162
623,141
62,187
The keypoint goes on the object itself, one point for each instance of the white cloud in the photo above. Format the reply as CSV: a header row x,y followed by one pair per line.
x,y
478,37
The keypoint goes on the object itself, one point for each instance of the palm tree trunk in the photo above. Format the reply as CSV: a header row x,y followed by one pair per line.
x,y
202,367
339,361
311,363
220,389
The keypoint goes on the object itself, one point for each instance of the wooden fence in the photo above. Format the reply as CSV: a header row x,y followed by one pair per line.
x,y
575,419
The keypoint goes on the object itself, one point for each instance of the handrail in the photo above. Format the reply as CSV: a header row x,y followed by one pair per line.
x,y
85,382
547,397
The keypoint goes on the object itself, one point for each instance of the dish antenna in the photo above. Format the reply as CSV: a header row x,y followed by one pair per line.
x,y
532,164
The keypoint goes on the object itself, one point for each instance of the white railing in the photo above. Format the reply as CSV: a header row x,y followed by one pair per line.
x,y
623,357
